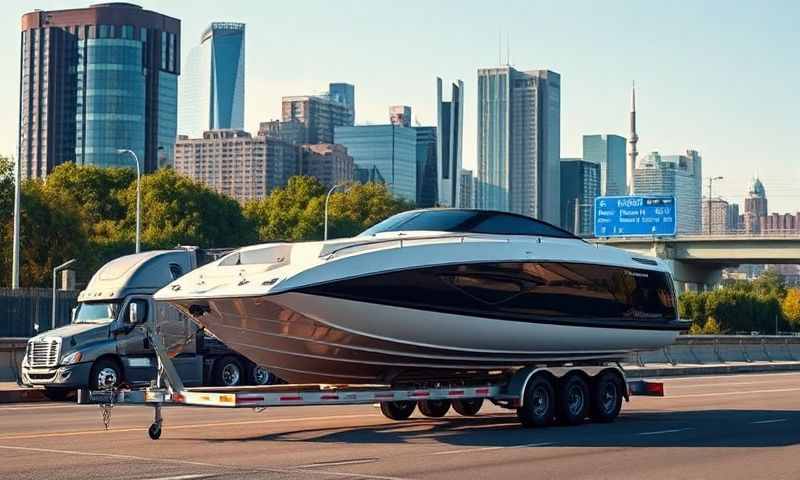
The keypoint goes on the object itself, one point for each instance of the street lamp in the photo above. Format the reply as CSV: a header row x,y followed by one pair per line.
x,y
55,273
138,195
327,198
711,180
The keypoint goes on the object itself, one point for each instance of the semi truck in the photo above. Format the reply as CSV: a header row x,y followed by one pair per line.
x,y
101,349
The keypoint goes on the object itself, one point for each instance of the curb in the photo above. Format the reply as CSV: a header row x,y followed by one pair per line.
x,y
22,395
670,371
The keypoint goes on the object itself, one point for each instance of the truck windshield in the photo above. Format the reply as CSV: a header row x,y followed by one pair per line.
x,y
100,312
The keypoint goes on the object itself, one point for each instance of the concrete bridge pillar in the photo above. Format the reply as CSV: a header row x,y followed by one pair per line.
x,y
694,277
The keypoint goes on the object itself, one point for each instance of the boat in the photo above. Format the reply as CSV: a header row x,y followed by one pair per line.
x,y
431,293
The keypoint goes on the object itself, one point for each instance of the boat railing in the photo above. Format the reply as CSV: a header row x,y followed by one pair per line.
x,y
401,242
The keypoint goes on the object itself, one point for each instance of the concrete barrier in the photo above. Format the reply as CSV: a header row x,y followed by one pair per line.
x,y
11,352
717,349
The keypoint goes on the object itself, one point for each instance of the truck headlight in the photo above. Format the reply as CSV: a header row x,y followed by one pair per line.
x,y
73,357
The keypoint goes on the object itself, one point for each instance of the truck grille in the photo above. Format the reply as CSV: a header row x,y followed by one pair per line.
x,y
44,352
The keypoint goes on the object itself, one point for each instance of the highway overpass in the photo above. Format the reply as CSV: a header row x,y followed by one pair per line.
x,y
697,260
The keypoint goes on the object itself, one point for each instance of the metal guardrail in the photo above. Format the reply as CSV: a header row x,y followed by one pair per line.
x,y
715,349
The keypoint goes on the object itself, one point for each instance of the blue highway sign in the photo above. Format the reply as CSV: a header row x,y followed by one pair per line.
x,y
635,215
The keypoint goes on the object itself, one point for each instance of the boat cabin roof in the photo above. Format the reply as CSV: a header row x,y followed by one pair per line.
x,y
459,220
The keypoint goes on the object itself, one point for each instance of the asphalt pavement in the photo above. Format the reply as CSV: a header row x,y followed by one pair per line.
x,y
716,427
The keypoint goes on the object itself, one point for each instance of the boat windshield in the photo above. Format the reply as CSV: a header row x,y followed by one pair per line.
x,y
467,221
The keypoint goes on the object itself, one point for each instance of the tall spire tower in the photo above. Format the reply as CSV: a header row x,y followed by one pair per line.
x,y
633,140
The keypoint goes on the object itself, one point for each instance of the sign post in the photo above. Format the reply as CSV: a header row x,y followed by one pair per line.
x,y
635,216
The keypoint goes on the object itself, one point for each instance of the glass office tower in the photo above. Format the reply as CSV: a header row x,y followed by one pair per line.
x,y
608,151
679,175
95,80
580,185
449,132
390,149
212,96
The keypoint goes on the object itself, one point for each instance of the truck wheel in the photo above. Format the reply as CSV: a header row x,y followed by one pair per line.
x,y
538,406
468,407
57,394
261,376
227,372
573,399
433,408
607,391
399,410
105,375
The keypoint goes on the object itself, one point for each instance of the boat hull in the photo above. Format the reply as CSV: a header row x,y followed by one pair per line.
x,y
308,338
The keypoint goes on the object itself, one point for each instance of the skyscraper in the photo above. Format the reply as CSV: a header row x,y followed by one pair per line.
x,y
319,114
678,175
755,206
519,141
449,132
608,151
427,186
388,151
400,115
467,189
212,86
344,93
94,80
717,212
580,185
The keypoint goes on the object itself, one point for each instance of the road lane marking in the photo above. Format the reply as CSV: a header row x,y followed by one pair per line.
x,y
183,427
774,420
358,461
745,392
239,469
184,477
486,449
660,432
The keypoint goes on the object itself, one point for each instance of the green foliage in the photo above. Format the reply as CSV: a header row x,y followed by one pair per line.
x,y
711,327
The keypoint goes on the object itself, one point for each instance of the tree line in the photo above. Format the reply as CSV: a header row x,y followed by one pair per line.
x,y
89,213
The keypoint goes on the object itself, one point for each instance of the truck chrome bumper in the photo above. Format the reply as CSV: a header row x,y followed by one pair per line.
x,y
76,375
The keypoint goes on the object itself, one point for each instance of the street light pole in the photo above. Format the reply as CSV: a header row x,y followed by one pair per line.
x,y
711,180
15,266
327,198
55,273
138,196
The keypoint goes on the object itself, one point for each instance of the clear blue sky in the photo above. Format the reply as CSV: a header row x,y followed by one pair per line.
x,y
721,77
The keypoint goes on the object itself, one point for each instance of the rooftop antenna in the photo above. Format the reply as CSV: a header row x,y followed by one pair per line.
x,y
508,49
499,48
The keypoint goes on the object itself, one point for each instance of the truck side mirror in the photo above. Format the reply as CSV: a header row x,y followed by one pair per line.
x,y
133,313
73,314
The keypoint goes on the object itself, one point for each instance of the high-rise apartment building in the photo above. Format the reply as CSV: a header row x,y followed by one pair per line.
x,y
678,175
580,185
212,85
330,163
344,93
95,80
467,190
716,217
292,131
427,185
519,141
386,151
608,151
400,115
449,133
235,163
319,114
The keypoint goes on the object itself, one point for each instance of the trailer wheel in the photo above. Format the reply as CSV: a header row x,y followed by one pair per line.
x,y
606,401
227,372
434,408
154,432
573,399
468,407
399,410
261,376
538,406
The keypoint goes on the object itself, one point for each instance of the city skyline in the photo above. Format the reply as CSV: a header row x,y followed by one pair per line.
x,y
596,96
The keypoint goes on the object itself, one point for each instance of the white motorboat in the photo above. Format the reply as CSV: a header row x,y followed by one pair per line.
x,y
429,294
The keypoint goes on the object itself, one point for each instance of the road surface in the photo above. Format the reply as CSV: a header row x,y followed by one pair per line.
x,y
728,427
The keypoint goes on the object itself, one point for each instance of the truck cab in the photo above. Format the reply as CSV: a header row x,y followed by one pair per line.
x,y
105,347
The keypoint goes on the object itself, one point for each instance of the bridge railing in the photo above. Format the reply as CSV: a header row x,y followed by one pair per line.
x,y
717,349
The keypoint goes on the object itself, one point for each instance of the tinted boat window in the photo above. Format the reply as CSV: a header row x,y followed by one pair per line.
x,y
467,221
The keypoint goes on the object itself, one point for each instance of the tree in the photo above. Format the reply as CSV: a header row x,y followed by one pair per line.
x,y
292,213
711,327
791,307
361,207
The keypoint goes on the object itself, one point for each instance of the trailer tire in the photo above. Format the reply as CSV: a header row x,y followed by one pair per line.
x,y
399,410
573,399
607,392
105,374
154,432
227,372
538,406
258,375
468,407
433,408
